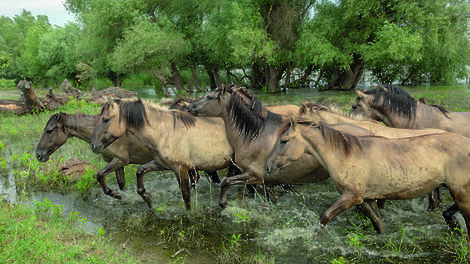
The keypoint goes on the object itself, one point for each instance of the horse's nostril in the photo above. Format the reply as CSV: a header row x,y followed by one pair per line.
x,y
267,168
38,156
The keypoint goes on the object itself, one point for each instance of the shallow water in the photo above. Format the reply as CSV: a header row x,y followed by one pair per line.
x,y
251,229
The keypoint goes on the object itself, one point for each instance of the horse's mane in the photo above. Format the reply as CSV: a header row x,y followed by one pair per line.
x,y
246,112
178,104
398,101
64,118
135,116
332,108
337,139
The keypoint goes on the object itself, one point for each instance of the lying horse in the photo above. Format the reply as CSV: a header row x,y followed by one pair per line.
x,y
127,150
372,167
251,131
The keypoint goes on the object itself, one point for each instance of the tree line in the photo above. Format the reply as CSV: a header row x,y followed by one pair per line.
x,y
330,44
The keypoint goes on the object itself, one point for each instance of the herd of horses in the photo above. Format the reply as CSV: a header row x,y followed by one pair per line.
x,y
421,148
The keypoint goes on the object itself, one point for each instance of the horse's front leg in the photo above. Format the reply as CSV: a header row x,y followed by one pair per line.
x,y
149,166
114,165
244,178
346,201
120,177
183,176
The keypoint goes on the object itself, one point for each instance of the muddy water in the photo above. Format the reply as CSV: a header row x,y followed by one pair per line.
x,y
251,229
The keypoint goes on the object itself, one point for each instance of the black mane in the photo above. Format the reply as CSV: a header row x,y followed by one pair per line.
x,y
397,100
133,113
246,113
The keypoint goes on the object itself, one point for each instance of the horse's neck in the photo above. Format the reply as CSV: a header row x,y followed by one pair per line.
x,y
81,126
317,146
332,118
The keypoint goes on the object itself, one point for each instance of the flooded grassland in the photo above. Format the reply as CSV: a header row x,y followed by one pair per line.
x,y
250,229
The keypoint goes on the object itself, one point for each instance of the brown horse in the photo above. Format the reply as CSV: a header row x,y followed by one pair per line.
x,y
372,167
251,131
177,140
127,150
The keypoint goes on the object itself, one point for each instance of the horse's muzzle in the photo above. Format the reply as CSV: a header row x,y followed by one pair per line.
x,y
192,110
41,157
267,168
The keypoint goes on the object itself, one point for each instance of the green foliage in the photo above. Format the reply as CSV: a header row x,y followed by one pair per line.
x,y
6,84
43,235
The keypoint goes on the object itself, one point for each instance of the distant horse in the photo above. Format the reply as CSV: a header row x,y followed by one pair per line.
x,y
127,150
251,131
400,110
372,167
178,141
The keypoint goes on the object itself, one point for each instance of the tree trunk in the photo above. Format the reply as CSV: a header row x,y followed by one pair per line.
x,y
229,76
30,99
303,80
274,75
195,79
287,79
218,78
213,85
349,78
257,77
177,77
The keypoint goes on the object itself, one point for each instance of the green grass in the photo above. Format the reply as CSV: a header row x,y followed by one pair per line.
x,y
45,236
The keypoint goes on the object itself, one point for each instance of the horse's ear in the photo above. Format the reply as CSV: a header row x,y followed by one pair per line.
x,y
303,108
382,88
293,122
110,101
361,94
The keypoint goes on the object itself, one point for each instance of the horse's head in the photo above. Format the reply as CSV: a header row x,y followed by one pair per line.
x,y
108,127
366,105
287,148
212,104
55,134
312,111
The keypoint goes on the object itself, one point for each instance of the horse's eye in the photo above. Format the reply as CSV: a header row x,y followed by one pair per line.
x,y
106,120
284,141
49,131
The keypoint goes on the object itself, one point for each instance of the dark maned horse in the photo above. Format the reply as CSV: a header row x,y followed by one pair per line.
x,y
127,150
372,167
251,131
178,140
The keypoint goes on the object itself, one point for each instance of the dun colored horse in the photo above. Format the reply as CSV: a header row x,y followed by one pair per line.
x,y
397,108
372,167
401,110
331,115
251,131
178,141
127,150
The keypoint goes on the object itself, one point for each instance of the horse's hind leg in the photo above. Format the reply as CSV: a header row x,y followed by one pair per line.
x,y
149,166
434,199
214,176
121,178
183,176
370,209
449,216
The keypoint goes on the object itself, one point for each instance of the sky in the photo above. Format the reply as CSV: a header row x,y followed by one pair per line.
x,y
53,9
